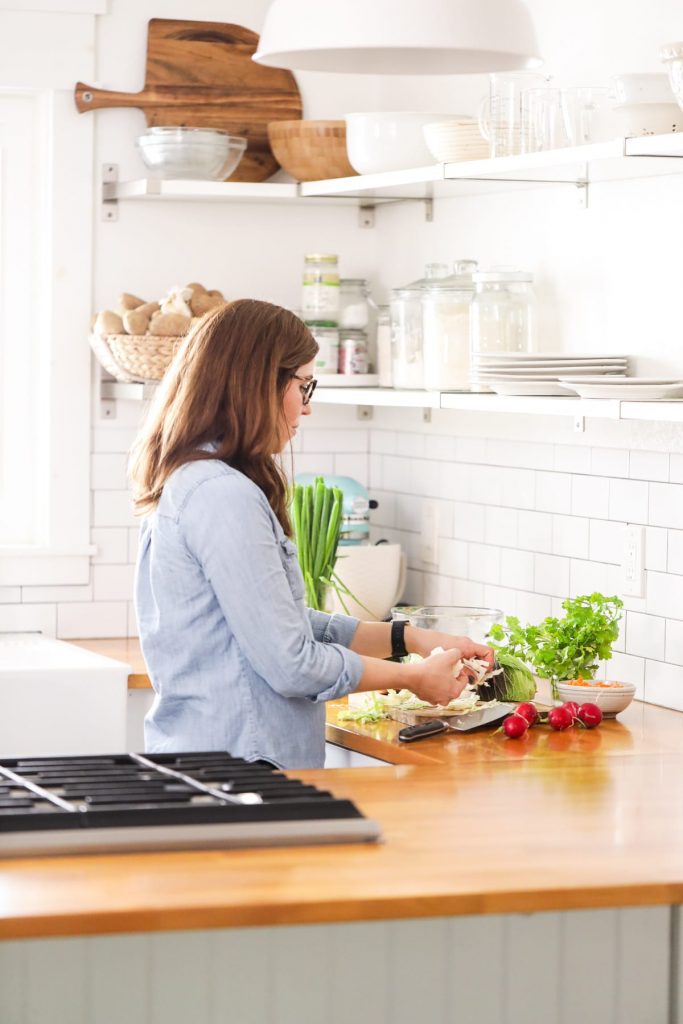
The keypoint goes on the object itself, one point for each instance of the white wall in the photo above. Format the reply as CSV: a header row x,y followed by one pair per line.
x,y
607,278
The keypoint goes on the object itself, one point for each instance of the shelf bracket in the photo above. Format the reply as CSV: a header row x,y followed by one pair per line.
x,y
364,412
579,424
426,415
429,210
582,192
110,207
366,216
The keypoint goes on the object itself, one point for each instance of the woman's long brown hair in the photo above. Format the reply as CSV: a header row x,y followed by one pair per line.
x,y
226,384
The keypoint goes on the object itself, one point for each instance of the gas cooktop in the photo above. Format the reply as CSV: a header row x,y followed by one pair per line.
x,y
126,802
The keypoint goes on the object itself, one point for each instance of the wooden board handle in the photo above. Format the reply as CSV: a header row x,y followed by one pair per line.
x,y
88,98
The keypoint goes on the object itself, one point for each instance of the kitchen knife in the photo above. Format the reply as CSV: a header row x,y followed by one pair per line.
x,y
478,719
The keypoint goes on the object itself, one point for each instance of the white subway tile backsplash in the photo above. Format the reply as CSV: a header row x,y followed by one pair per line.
x,y
535,531
28,618
454,482
666,505
113,508
606,541
500,597
354,465
501,526
385,513
382,442
376,471
112,544
437,589
533,608
441,447
113,582
52,595
485,485
645,635
133,543
132,621
347,440
609,462
551,575
676,468
674,642
590,497
570,536
484,563
108,471
468,592
113,439
453,557
625,668
649,465
414,589
570,458
517,569
664,685
411,445
87,621
587,578
675,551
522,454
664,595
553,492
319,462
469,521
10,595
471,449
408,511
517,487
656,548
433,474
628,501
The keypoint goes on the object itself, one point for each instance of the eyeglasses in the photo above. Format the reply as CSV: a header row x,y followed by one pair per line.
x,y
309,386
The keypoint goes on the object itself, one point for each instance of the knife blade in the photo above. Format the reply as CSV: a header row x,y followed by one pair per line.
x,y
478,719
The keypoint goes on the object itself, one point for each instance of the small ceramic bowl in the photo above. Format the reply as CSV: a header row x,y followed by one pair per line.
x,y
611,700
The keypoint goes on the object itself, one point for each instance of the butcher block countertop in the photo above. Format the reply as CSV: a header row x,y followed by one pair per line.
x,y
473,824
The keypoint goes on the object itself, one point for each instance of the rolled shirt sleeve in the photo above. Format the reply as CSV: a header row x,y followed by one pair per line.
x,y
227,525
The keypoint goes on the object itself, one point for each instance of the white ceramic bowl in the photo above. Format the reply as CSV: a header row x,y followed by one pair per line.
x,y
450,141
672,57
200,154
635,119
385,141
610,700
641,89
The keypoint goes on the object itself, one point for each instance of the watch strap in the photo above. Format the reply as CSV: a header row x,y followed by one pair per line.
x,y
398,642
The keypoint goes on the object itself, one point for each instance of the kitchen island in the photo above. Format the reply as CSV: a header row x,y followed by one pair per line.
x,y
521,881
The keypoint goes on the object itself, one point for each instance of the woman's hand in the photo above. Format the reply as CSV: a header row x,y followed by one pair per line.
x,y
423,642
433,679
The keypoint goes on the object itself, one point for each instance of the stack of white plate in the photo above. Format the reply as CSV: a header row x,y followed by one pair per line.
x,y
539,373
451,141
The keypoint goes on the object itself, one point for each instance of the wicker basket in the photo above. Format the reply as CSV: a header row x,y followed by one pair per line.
x,y
134,357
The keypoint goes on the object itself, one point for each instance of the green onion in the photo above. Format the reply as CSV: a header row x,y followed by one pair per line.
x,y
316,512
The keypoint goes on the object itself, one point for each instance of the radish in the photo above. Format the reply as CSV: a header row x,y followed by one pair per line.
x,y
572,707
515,726
528,711
590,715
560,718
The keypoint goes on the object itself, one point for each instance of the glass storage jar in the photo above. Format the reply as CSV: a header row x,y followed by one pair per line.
x,y
354,303
353,351
446,329
406,328
503,313
384,367
327,357
320,290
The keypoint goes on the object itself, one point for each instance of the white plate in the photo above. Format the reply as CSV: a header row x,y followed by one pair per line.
x,y
348,380
550,373
540,365
625,392
583,357
644,381
524,386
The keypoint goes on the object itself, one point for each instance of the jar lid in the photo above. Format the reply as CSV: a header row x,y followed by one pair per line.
x,y
353,333
484,276
357,282
671,51
320,257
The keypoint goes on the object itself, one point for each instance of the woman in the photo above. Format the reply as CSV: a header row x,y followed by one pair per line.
x,y
237,661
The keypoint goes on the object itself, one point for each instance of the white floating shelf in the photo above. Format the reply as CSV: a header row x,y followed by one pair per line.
x,y
378,397
603,161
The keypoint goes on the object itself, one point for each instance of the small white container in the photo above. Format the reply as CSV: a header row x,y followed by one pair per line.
x,y
327,358
648,88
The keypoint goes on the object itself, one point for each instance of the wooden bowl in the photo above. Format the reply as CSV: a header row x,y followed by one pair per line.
x,y
311,150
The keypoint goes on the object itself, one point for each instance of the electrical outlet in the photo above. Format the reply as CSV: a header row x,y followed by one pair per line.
x,y
633,562
429,533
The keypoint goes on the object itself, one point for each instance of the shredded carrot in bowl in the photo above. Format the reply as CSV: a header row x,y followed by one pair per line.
x,y
594,682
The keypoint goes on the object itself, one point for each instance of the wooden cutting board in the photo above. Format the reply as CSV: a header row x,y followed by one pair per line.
x,y
417,717
200,74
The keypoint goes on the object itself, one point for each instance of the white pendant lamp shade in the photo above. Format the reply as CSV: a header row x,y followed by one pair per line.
x,y
399,37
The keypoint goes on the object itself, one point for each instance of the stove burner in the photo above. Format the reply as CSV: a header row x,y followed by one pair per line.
x,y
161,802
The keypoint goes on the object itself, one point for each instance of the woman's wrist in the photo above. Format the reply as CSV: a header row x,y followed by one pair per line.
x,y
414,641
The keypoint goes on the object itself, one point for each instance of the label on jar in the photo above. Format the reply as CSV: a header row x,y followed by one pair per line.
x,y
320,295
353,354
327,359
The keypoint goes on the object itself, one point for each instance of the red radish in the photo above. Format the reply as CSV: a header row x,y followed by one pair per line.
x,y
573,707
529,711
560,718
590,715
515,726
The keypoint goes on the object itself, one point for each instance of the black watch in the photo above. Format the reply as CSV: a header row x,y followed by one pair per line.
x,y
398,641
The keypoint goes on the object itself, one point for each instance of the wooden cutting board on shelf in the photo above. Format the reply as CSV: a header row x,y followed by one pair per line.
x,y
199,74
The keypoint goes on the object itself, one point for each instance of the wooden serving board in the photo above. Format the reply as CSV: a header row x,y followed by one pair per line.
x,y
199,74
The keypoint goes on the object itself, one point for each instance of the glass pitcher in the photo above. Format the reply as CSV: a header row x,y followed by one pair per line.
x,y
500,114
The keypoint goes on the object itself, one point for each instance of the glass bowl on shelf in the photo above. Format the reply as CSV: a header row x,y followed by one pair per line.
x,y
194,154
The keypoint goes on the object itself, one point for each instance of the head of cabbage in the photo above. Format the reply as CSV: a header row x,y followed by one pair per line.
x,y
514,683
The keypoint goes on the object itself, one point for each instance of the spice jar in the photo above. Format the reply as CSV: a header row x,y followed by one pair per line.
x,y
320,291
353,351
446,329
406,328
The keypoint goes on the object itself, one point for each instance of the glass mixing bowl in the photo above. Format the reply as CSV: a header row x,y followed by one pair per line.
x,y
199,154
457,620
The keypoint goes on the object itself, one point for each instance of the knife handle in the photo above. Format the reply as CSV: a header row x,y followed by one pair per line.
x,y
422,731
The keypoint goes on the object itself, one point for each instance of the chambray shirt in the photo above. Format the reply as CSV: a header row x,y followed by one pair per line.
x,y
236,659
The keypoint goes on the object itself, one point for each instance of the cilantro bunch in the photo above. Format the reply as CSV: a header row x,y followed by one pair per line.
x,y
566,648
